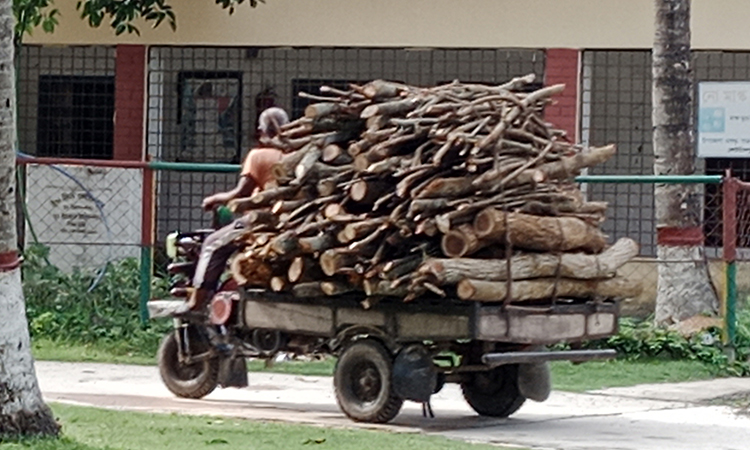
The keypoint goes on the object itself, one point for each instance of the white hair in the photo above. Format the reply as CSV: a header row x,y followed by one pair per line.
x,y
271,120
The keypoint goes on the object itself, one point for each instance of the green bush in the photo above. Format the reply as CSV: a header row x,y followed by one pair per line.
x,y
61,308
643,339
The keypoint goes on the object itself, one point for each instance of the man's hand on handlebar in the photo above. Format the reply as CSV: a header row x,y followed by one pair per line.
x,y
212,202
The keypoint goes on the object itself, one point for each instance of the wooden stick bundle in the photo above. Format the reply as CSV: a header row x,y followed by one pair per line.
x,y
381,182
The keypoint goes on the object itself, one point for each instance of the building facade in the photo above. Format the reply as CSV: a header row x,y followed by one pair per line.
x,y
193,95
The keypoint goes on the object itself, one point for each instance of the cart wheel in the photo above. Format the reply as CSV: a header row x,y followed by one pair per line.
x,y
362,382
494,392
189,381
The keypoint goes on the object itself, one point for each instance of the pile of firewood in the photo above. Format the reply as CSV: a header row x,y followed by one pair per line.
x,y
460,189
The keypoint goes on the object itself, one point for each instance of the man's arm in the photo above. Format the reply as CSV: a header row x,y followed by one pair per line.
x,y
244,188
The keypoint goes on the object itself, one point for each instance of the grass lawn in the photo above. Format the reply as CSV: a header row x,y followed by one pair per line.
x,y
565,375
99,429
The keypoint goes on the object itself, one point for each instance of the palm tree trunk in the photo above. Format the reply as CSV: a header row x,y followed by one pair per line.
x,y
684,288
22,410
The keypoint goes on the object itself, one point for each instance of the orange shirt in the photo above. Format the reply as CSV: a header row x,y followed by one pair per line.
x,y
258,164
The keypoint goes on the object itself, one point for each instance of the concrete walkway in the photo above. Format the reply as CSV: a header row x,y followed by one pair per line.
x,y
663,416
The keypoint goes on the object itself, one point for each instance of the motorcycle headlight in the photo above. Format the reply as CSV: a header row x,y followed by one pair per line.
x,y
171,245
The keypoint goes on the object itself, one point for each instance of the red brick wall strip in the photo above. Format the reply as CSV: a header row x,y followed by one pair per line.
x,y
673,236
130,67
562,67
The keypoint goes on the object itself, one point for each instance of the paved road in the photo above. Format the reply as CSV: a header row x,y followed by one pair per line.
x,y
643,418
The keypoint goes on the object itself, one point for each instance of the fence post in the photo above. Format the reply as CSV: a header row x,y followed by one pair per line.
x,y
147,241
729,239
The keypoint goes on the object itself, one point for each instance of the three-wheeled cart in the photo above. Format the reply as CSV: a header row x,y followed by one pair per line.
x,y
391,352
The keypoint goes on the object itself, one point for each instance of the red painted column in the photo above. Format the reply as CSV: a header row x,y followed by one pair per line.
x,y
562,66
130,67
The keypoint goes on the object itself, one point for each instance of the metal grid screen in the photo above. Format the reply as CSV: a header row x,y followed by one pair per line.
x,y
203,103
66,101
616,107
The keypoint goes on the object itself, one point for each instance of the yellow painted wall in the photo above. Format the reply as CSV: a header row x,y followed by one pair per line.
x,y
717,24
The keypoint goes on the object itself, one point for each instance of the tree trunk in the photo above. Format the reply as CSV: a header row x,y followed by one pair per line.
x,y
684,288
22,410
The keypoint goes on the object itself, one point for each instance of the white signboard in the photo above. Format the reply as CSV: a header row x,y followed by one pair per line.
x,y
724,119
72,225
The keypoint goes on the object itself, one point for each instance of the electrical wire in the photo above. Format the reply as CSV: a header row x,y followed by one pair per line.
x,y
99,206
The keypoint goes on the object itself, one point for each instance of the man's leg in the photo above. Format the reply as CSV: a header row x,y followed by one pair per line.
x,y
216,250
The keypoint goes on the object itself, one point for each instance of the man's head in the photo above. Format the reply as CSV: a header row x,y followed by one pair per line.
x,y
270,122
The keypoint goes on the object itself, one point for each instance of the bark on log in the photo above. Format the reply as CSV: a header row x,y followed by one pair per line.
x,y
310,289
357,230
421,207
380,89
306,163
533,265
287,206
555,234
285,244
316,244
545,288
567,167
332,288
318,110
282,171
261,217
396,107
263,198
384,288
448,187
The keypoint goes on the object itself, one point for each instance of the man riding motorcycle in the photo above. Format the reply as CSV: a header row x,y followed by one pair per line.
x,y
220,245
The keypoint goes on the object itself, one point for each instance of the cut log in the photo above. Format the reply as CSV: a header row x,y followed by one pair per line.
x,y
287,206
394,269
546,288
332,288
278,284
533,265
283,170
263,198
318,110
304,269
396,107
334,154
333,261
358,230
285,244
316,244
306,163
333,210
380,89
261,217
384,288
367,192
555,234
462,241
426,205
